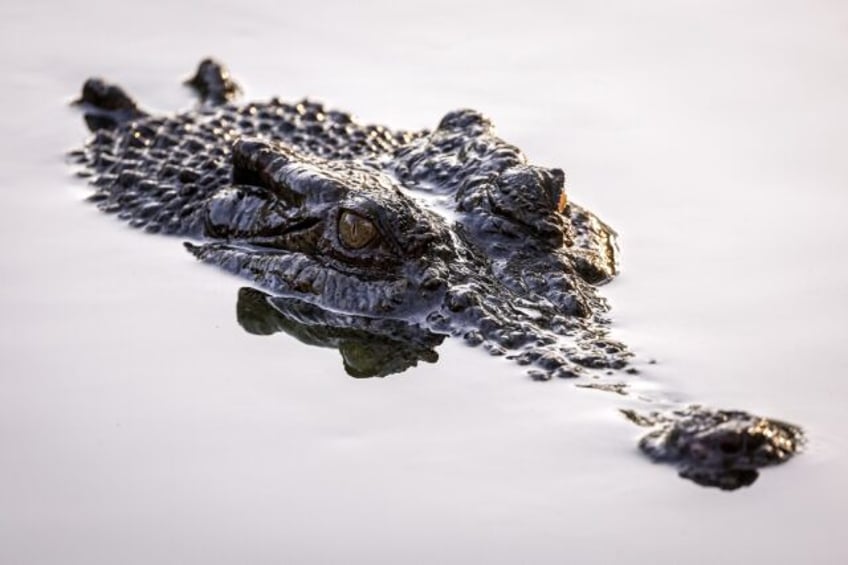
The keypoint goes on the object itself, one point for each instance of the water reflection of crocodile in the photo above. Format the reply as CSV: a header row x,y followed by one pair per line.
x,y
370,237
370,347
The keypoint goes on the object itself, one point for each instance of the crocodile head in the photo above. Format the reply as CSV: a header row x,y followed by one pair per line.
x,y
329,215
339,234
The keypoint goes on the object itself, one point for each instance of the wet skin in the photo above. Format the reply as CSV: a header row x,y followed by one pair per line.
x,y
337,220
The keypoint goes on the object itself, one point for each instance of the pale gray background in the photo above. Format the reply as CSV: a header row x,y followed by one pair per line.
x,y
139,424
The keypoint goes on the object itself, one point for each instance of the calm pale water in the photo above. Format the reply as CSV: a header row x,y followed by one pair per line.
x,y
140,424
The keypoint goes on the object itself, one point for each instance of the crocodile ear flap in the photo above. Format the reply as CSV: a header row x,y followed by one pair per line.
x,y
258,163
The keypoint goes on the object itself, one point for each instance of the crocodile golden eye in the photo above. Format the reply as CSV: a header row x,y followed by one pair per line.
x,y
562,203
355,232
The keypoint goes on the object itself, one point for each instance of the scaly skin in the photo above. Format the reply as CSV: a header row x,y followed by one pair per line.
x,y
337,220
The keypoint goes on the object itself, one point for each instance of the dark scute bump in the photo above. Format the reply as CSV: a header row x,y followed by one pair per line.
x,y
467,120
213,83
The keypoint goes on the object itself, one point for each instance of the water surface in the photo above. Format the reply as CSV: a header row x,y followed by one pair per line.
x,y
140,424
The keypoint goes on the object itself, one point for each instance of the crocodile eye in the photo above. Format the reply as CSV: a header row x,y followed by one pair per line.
x,y
562,203
355,232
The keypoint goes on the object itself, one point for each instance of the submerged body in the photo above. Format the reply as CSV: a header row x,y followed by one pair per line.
x,y
334,218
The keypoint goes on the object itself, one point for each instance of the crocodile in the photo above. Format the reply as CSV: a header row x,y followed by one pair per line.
x,y
383,242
